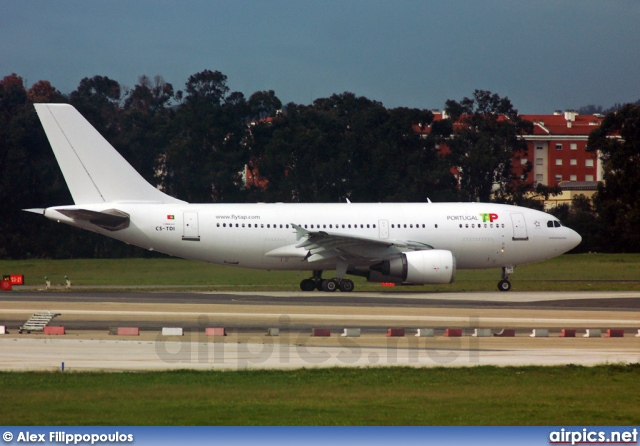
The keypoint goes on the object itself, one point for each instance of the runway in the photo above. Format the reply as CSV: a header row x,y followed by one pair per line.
x,y
87,317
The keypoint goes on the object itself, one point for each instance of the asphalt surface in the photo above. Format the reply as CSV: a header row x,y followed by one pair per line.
x,y
88,315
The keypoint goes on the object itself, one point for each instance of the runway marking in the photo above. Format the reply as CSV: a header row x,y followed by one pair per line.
x,y
510,321
497,296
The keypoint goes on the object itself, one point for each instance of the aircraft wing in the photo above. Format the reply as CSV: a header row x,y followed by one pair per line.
x,y
325,245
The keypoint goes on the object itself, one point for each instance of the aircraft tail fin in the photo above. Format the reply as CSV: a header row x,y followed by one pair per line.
x,y
94,170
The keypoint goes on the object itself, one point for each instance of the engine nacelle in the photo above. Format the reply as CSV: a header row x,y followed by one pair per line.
x,y
434,266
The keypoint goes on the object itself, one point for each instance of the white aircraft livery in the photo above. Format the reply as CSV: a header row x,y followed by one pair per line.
x,y
401,243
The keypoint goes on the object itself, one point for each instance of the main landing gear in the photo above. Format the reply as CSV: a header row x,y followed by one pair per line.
x,y
328,285
504,284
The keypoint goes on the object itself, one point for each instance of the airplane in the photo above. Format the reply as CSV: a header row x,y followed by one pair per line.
x,y
399,243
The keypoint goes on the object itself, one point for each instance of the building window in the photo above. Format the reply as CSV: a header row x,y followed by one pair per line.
x,y
588,177
524,161
574,178
588,163
573,162
558,177
539,177
574,146
558,162
559,146
539,161
538,147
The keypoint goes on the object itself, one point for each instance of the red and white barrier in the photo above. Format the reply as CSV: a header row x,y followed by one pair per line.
x,y
53,330
615,333
481,333
321,332
215,331
128,331
539,333
592,333
395,332
351,333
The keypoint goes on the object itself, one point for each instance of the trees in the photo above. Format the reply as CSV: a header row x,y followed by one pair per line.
x,y
207,153
347,146
145,126
484,143
617,201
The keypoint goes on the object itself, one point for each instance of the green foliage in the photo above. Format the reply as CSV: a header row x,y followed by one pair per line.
x,y
484,145
617,202
562,395
350,147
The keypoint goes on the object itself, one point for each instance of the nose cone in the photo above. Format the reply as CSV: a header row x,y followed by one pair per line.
x,y
573,239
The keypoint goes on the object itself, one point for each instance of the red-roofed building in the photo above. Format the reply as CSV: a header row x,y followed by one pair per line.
x,y
557,152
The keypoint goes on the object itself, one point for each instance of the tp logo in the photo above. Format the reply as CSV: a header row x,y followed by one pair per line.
x,y
489,217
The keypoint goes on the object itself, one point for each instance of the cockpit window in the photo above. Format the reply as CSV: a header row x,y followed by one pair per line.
x,y
550,224
554,224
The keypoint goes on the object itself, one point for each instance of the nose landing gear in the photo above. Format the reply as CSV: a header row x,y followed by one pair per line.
x,y
504,284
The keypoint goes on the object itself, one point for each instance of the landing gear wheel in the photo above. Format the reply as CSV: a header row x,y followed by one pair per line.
x,y
504,285
346,286
329,285
307,285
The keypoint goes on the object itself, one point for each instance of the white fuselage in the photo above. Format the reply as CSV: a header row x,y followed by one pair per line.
x,y
480,235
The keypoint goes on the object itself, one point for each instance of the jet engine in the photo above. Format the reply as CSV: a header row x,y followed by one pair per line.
x,y
434,266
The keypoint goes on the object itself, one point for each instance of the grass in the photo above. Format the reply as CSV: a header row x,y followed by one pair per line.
x,y
580,272
567,395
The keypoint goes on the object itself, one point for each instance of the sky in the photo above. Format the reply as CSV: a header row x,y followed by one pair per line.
x,y
543,55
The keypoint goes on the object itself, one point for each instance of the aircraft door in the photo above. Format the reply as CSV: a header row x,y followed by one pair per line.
x,y
519,227
190,230
383,226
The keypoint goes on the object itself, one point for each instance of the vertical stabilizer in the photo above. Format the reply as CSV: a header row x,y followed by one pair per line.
x,y
94,171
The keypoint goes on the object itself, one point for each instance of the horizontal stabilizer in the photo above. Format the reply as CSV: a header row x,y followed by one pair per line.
x,y
35,210
111,219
